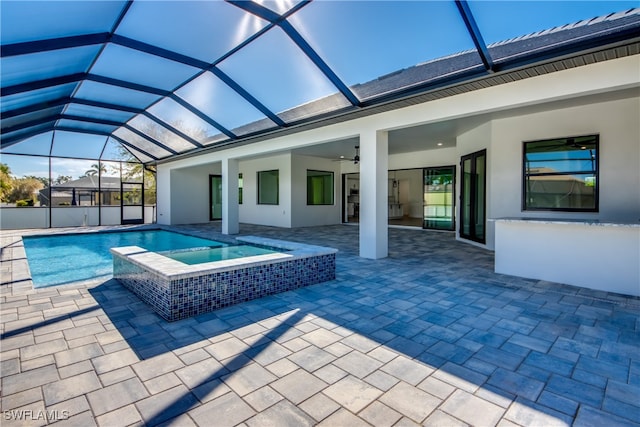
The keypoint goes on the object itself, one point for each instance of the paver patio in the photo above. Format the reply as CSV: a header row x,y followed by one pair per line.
x,y
428,336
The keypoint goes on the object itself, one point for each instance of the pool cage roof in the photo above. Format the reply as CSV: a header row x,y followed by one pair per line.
x,y
166,78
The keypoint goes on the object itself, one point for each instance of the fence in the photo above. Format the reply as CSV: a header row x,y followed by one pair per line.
x,y
14,218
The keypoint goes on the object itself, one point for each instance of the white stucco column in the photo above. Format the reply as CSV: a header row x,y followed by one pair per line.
x,y
230,206
374,208
163,195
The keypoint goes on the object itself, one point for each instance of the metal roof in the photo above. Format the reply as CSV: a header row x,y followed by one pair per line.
x,y
167,78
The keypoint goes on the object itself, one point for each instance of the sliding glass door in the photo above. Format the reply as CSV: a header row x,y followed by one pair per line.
x,y
439,198
215,197
473,197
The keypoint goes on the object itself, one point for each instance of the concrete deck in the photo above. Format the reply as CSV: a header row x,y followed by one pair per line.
x,y
428,336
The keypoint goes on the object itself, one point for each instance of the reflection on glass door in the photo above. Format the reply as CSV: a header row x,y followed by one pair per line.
x,y
215,197
131,202
439,198
473,199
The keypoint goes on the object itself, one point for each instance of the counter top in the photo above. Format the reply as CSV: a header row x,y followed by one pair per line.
x,y
568,221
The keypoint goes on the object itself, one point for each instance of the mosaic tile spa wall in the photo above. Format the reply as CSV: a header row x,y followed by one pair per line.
x,y
179,298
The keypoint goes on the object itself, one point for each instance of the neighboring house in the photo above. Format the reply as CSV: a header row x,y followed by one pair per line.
x,y
83,191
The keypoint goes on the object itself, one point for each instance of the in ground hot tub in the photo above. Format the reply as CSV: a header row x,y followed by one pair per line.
x,y
177,290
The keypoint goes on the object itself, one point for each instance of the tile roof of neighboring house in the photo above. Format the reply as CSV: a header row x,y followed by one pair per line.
x,y
90,182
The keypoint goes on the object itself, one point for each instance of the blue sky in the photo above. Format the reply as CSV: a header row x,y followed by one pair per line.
x,y
360,40
363,32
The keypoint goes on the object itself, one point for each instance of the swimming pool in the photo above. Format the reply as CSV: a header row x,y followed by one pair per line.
x,y
60,259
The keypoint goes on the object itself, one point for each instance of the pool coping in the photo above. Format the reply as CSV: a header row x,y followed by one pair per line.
x,y
174,270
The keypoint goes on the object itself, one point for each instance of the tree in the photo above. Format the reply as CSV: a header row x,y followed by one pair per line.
x,y
25,189
61,179
96,169
133,170
6,182
43,180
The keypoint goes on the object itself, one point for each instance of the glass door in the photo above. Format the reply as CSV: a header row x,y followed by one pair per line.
x,y
439,206
473,196
131,203
215,197
351,188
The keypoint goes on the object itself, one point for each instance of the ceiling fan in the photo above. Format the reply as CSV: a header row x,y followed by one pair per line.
x,y
355,159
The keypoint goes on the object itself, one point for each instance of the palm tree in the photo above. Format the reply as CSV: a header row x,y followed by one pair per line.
x,y
61,179
96,168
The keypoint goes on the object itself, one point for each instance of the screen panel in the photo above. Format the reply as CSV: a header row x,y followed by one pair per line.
x,y
46,65
287,77
51,19
219,26
141,68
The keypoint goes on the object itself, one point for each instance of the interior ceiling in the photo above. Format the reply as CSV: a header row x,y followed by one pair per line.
x,y
130,73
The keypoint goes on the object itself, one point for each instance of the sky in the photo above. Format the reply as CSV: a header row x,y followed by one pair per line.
x,y
360,40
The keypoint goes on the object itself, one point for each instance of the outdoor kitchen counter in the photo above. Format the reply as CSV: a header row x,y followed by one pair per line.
x,y
603,255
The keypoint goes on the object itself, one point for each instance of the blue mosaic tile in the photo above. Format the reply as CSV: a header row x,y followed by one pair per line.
x,y
186,297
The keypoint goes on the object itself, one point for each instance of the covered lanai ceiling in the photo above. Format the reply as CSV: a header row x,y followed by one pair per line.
x,y
165,78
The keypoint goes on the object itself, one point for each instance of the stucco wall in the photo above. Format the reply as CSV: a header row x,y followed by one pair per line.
x,y
617,124
190,194
469,142
422,159
595,256
304,215
250,211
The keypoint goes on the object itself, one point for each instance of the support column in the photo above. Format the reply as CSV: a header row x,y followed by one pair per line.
x,y
163,195
374,200
230,206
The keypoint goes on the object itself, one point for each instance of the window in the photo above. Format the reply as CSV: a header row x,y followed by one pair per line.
x,y
319,188
268,187
561,174
240,186
439,198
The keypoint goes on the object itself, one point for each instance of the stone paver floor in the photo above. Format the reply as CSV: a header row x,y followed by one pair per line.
x,y
428,336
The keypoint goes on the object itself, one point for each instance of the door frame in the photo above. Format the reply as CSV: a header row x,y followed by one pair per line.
x,y
122,205
473,203
211,218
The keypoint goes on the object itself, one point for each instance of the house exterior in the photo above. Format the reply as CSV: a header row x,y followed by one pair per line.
x,y
558,106
87,191
589,95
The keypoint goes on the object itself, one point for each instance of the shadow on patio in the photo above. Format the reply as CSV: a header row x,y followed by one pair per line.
x,y
430,334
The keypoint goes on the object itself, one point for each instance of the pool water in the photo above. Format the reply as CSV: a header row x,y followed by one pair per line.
x,y
56,260
217,254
